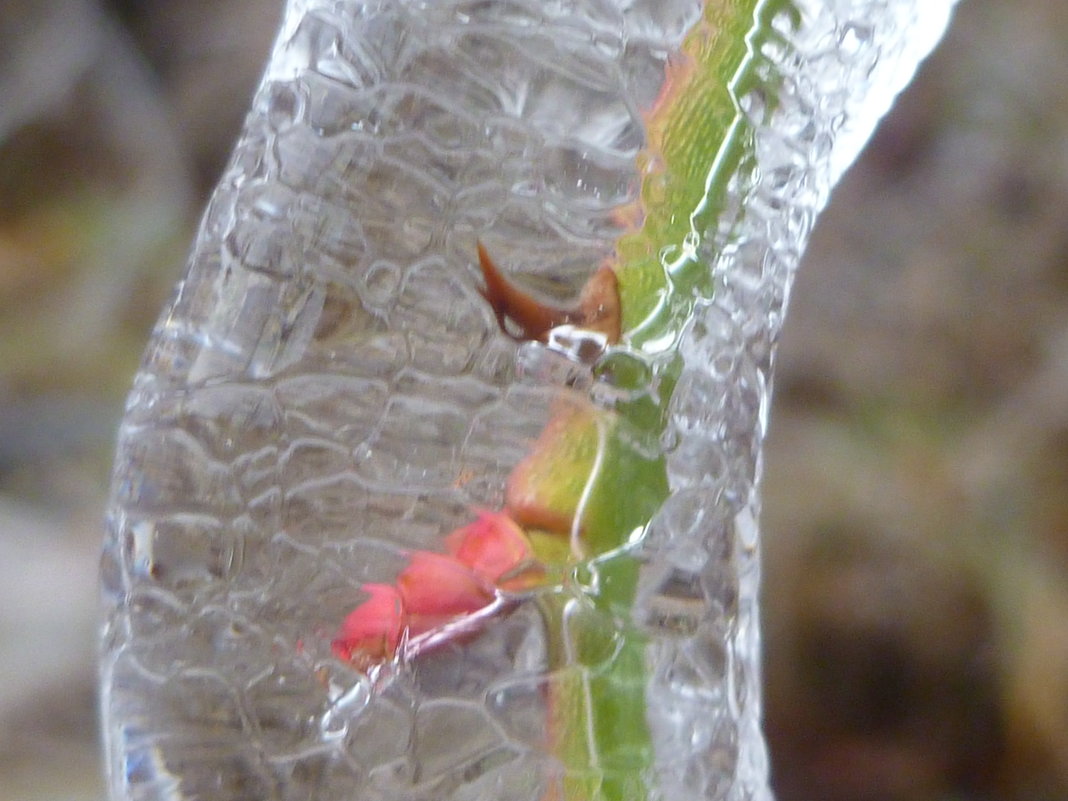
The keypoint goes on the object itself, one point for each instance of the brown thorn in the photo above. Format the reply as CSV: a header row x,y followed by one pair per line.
x,y
598,308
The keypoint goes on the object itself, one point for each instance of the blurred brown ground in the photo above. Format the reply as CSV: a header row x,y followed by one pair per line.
x,y
916,490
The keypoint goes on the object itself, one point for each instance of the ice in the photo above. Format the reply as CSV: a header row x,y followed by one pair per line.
x,y
329,391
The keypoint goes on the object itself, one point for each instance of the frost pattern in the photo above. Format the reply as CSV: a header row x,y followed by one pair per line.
x,y
328,389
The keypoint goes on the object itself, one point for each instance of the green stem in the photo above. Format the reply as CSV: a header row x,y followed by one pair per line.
x,y
597,712
597,691
590,467
699,139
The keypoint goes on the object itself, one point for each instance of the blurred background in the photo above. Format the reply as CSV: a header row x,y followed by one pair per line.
x,y
916,493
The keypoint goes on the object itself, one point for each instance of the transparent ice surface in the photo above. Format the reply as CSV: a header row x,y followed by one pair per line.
x,y
328,391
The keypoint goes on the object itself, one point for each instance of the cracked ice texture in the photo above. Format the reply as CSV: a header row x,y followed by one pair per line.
x,y
328,389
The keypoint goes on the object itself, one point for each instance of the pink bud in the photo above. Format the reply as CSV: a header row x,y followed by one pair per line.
x,y
493,546
372,630
437,589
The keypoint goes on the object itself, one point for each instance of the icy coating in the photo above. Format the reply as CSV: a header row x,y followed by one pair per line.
x,y
328,391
